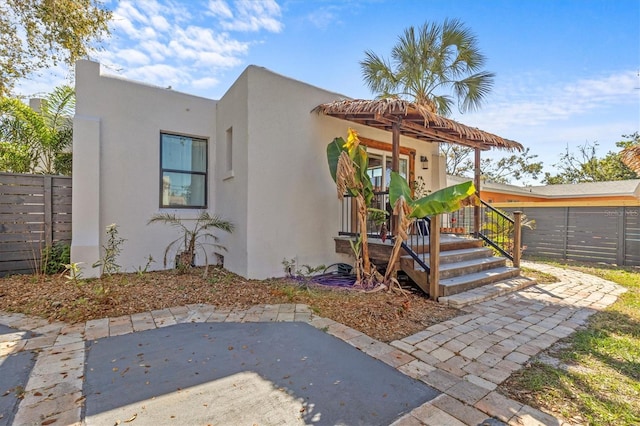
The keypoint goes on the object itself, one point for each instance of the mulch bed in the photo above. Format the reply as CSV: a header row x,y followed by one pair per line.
x,y
385,316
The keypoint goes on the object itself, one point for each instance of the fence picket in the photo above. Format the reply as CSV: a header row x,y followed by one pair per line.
x,y
590,234
35,211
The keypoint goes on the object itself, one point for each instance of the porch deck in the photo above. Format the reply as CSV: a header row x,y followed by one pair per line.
x,y
379,251
462,264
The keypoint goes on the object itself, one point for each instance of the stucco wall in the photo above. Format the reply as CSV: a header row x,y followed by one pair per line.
x,y
231,185
116,167
292,210
277,189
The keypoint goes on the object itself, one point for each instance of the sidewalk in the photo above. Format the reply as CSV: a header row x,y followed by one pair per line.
x,y
464,359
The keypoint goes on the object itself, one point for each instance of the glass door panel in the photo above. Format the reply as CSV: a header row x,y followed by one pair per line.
x,y
375,171
403,169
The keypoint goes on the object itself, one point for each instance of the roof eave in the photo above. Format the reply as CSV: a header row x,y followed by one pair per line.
x,y
415,122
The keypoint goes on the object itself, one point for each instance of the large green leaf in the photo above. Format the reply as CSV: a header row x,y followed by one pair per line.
x,y
361,160
361,163
398,187
334,149
443,201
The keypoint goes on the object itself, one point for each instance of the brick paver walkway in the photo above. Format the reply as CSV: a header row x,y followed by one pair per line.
x,y
465,358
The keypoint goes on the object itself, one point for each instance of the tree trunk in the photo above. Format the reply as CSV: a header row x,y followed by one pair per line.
x,y
362,218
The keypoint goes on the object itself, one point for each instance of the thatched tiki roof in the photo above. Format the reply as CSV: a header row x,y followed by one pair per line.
x,y
414,121
631,157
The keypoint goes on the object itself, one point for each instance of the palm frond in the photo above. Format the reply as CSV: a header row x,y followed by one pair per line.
x,y
429,60
58,107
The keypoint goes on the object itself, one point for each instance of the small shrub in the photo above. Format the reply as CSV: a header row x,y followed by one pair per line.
x,y
55,257
74,274
141,271
112,249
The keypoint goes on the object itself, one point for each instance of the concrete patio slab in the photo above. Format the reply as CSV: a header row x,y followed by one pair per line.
x,y
243,373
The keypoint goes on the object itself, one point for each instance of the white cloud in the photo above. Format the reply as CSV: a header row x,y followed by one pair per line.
x,y
537,103
205,83
133,57
157,50
126,10
122,24
249,15
159,74
203,47
149,34
219,8
153,39
160,23
322,18
170,42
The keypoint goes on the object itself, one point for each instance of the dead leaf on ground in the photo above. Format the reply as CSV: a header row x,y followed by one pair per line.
x,y
376,315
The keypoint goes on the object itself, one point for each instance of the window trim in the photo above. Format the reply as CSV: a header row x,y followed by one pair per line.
x,y
190,172
383,146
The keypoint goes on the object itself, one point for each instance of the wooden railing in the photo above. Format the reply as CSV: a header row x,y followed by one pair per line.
x,y
496,229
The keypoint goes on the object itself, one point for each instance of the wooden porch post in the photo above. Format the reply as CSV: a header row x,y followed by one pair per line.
x,y
517,238
395,165
476,182
395,147
434,257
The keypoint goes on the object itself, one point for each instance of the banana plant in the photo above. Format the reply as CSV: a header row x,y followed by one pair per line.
x,y
408,210
348,163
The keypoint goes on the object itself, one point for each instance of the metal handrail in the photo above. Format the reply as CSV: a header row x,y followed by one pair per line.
x,y
502,249
416,257
488,206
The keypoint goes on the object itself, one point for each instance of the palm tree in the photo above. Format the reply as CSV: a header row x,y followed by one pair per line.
x,y
429,65
193,237
37,141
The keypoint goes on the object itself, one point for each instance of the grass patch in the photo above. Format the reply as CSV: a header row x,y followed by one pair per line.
x,y
597,381
539,276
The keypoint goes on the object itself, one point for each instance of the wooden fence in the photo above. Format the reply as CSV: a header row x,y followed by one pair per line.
x,y
35,212
589,234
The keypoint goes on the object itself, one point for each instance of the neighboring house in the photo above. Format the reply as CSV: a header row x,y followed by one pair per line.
x,y
614,193
257,157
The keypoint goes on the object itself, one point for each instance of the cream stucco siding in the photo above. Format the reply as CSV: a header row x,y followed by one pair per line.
x,y
292,207
267,167
232,185
116,176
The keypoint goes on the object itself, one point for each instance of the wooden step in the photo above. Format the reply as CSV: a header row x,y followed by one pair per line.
x,y
446,244
453,256
456,269
462,283
451,270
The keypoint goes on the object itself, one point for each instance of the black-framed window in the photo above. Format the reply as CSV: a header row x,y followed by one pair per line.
x,y
183,171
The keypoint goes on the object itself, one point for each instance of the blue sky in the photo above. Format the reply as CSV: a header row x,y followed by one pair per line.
x,y
567,72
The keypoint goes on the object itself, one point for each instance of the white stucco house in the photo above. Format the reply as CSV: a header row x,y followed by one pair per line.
x,y
257,157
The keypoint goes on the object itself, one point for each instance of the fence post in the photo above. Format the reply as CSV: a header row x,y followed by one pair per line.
x,y
48,215
434,257
517,238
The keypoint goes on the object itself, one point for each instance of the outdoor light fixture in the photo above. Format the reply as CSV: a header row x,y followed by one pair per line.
x,y
425,162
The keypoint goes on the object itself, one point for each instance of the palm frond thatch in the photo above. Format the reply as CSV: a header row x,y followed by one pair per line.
x,y
416,121
631,157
